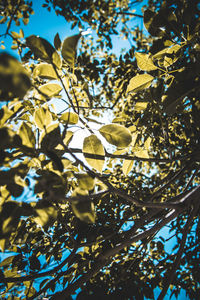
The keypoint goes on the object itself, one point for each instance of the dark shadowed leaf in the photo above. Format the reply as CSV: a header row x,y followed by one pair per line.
x,y
69,49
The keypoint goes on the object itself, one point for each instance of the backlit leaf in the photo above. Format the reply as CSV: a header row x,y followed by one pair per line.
x,y
127,166
92,145
27,135
140,106
50,89
139,82
70,118
45,71
144,62
69,49
116,134
42,117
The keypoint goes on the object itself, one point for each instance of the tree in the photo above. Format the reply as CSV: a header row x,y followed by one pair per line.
x,y
87,220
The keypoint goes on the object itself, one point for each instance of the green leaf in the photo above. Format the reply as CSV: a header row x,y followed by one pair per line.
x,y
70,118
45,71
139,82
92,145
85,181
27,135
42,117
116,134
84,210
127,167
43,50
50,89
69,49
145,62
57,41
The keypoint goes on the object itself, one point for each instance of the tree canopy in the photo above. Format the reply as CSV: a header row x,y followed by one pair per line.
x,y
95,219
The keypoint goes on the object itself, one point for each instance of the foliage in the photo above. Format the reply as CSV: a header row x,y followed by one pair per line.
x,y
90,217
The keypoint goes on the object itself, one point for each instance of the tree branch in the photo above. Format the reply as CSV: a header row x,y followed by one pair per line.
x,y
176,263
43,274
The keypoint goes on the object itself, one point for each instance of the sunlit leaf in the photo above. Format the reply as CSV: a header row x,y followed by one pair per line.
x,y
139,82
27,135
127,167
116,134
70,118
43,50
141,152
92,145
167,56
140,106
69,49
50,89
42,117
44,70
145,62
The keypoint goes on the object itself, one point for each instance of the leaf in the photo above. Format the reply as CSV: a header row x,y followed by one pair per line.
x,y
85,181
27,135
43,50
127,167
70,118
69,49
139,82
42,117
84,210
44,70
116,134
142,153
45,216
57,41
167,56
145,62
14,78
50,89
92,145
140,106
50,138
15,35
7,261
171,60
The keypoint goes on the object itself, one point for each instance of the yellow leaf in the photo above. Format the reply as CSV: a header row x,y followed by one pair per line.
x,y
50,89
139,82
144,62
116,134
44,70
127,167
92,145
